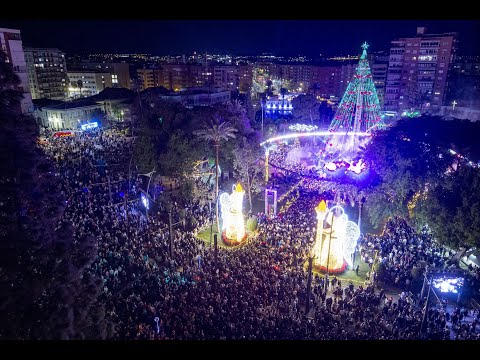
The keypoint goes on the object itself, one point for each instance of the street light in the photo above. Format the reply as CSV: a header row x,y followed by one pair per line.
x,y
309,282
158,327
148,187
261,102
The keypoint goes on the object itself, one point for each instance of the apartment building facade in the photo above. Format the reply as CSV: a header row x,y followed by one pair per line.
x,y
418,71
47,73
92,82
11,45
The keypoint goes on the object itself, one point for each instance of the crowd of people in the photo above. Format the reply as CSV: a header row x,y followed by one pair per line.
x,y
160,281
401,249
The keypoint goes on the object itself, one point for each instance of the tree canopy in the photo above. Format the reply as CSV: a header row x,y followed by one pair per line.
x,y
45,292
415,165
451,208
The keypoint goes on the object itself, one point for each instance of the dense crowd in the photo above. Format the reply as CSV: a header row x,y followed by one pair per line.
x,y
401,249
255,291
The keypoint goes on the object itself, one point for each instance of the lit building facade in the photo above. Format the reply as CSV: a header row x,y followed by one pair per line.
x,y
60,115
120,71
201,96
149,77
379,68
92,83
11,45
418,71
47,73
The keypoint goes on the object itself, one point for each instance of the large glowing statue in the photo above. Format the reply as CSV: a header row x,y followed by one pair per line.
x,y
233,226
336,239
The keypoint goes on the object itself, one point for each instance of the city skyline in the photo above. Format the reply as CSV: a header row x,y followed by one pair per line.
x,y
237,37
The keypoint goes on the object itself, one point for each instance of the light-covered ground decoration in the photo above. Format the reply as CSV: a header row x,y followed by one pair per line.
x,y
335,240
233,222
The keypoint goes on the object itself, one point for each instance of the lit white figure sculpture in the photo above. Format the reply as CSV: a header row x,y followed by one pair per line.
x,y
225,206
335,242
352,233
232,216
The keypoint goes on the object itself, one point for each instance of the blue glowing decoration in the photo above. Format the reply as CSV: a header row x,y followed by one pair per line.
x,y
445,284
89,126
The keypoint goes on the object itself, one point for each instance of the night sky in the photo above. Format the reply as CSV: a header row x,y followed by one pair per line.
x,y
241,37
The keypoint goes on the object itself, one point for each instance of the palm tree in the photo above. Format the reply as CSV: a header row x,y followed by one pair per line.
x,y
215,132
283,92
269,87
80,85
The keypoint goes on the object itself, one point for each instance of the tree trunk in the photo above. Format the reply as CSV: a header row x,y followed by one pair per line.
x,y
216,187
359,212
249,191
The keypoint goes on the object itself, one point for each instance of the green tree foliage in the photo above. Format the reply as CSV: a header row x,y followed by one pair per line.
x,y
99,116
216,132
45,292
158,120
409,158
452,208
305,109
146,147
326,114
246,100
179,156
405,157
80,86
252,223
248,169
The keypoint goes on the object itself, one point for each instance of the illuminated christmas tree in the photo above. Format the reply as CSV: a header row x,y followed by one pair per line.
x,y
359,110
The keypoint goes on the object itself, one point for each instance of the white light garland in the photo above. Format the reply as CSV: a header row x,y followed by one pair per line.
x,y
303,127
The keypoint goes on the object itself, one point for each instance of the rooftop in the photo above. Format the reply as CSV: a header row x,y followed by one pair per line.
x,y
113,94
62,105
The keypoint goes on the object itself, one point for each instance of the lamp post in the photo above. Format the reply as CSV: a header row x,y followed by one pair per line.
x,y
329,243
171,232
309,283
425,309
261,102
148,187
267,152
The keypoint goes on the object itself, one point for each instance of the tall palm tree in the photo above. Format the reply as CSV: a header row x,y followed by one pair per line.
x,y
283,92
215,132
80,85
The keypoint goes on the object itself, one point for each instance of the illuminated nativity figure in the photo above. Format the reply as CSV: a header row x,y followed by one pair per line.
x,y
335,241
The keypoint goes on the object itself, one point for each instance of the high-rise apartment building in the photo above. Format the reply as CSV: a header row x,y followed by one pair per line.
x,y
418,71
245,77
149,77
379,68
47,73
11,45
